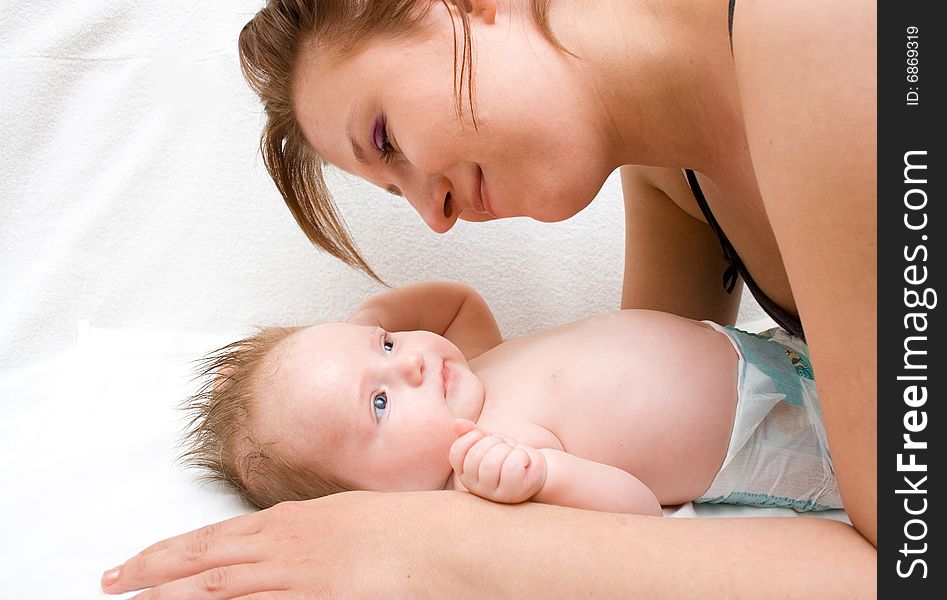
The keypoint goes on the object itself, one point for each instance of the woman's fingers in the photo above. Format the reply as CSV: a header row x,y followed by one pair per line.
x,y
240,525
281,553
219,545
222,583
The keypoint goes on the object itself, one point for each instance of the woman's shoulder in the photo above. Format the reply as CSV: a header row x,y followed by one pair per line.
x,y
805,62
807,79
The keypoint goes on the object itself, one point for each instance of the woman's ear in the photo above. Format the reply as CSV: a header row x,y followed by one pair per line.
x,y
484,10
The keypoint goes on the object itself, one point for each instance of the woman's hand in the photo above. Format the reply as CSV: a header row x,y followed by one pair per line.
x,y
337,545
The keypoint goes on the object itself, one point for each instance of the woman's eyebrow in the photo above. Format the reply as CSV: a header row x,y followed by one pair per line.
x,y
357,149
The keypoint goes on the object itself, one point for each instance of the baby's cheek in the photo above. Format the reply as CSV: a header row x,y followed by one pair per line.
x,y
435,457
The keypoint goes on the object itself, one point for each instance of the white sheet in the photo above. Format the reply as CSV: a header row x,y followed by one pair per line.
x,y
132,197
87,445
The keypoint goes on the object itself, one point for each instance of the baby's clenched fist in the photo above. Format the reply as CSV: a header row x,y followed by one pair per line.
x,y
495,466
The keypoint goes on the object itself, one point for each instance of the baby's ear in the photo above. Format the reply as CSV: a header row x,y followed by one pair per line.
x,y
462,426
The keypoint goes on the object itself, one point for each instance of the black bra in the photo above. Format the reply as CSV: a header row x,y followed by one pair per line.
x,y
789,322
785,320
733,3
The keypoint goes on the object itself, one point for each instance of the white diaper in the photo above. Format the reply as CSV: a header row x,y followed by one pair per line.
x,y
778,453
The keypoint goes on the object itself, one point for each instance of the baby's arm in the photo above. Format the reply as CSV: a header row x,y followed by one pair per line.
x,y
498,468
450,309
582,483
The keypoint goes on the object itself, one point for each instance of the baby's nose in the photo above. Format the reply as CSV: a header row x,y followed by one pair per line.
x,y
411,367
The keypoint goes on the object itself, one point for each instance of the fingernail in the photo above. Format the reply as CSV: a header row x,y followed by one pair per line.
x,y
111,576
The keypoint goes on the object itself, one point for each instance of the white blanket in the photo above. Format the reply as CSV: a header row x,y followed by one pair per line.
x,y
132,197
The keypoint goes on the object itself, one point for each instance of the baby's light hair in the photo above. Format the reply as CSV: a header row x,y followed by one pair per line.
x,y
219,437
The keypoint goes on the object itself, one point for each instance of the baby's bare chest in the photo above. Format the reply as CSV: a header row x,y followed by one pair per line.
x,y
613,390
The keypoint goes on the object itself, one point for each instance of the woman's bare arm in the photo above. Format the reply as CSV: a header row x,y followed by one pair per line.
x,y
435,544
673,262
811,126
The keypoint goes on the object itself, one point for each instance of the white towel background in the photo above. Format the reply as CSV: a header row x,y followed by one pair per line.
x,y
132,197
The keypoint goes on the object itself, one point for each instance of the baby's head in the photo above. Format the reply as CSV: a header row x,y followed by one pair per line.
x,y
299,413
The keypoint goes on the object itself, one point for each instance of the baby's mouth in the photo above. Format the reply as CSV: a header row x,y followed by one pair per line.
x,y
445,377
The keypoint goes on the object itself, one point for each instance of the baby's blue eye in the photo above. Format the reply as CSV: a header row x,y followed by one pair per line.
x,y
380,403
389,344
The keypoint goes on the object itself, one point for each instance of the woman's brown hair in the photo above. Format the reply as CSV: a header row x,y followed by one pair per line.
x,y
270,45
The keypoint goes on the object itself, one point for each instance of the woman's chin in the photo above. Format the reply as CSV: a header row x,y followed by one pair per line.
x,y
558,213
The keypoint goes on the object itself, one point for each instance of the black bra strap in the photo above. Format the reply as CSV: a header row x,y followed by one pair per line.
x,y
733,4
785,320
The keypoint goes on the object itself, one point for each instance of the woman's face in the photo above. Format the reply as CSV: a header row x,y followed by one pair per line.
x,y
388,115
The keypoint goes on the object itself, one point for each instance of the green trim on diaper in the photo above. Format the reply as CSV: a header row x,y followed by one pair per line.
x,y
766,501
783,366
799,355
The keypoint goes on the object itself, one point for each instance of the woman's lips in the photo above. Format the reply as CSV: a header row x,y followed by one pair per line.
x,y
480,202
485,198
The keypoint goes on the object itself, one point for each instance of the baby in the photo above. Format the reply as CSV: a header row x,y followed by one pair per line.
x,y
623,412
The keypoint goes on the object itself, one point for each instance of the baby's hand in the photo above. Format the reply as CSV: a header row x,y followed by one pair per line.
x,y
495,466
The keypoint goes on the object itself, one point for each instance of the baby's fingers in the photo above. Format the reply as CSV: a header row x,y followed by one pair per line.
x,y
460,448
491,465
462,426
522,476
475,456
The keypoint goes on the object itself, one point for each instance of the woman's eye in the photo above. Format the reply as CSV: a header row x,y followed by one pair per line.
x,y
380,404
389,343
381,140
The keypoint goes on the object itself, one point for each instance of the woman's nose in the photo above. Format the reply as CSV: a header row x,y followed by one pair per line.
x,y
436,204
410,367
